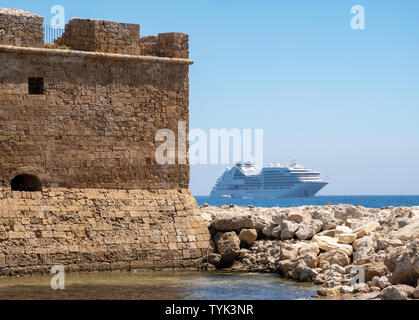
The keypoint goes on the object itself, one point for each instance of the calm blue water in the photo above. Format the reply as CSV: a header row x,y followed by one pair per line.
x,y
365,201
161,285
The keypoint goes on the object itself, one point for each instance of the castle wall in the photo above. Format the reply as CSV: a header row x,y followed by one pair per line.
x,y
21,28
99,230
95,124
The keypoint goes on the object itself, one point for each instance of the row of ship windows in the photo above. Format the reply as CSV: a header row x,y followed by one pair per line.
x,y
250,188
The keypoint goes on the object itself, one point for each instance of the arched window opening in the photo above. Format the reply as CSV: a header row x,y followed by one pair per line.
x,y
26,182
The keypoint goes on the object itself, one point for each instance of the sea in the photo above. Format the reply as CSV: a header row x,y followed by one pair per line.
x,y
158,285
364,201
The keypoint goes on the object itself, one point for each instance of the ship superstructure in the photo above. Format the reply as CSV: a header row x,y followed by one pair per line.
x,y
275,181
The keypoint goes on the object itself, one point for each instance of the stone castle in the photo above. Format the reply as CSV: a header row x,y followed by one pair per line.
x,y
79,183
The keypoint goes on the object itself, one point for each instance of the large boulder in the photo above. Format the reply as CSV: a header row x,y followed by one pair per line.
x,y
288,229
404,266
308,229
409,232
328,244
233,223
248,236
397,292
333,257
228,246
364,250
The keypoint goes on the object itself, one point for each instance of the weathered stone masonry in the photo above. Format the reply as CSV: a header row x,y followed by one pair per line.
x,y
87,137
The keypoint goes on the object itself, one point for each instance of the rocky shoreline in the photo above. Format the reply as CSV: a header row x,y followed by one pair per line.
x,y
331,246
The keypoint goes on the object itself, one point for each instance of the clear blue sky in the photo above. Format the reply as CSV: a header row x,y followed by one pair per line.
x,y
340,101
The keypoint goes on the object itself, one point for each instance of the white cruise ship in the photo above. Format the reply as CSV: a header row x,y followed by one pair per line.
x,y
275,181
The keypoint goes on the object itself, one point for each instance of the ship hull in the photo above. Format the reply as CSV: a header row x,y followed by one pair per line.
x,y
300,190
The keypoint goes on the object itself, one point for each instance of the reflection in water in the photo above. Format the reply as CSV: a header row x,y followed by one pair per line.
x,y
156,285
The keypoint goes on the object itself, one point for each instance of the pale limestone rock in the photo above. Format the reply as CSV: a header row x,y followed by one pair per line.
x,y
346,238
383,244
310,260
327,217
311,247
346,289
328,243
233,223
381,282
338,268
404,266
272,231
353,212
228,246
248,236
342,229
362,255
361,287
288,229
277,219
366,229
334,257
374,269
366,242
409,232
329,292
327,233
288,251
397,292
297,217
308,229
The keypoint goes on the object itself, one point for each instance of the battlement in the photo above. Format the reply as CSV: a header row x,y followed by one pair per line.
x,y
123,38
24,29
101,36
21,28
